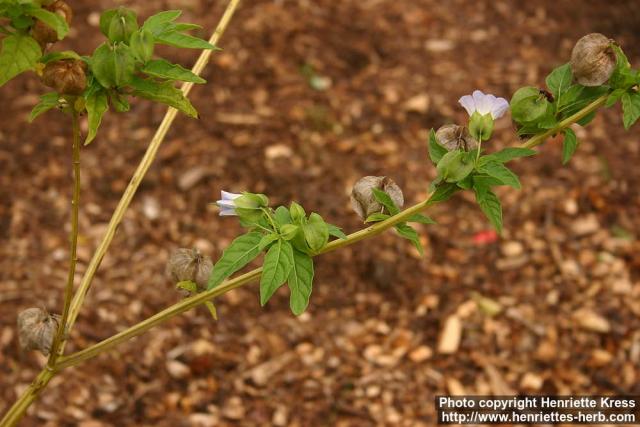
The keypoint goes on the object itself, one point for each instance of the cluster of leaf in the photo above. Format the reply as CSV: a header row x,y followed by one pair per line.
x,y
289,237
124,66
20,52
403,229
535,110
463,170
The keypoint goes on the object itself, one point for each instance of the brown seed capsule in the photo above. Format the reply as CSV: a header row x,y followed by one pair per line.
x,y
45,34
593,60
189,264
364,202
454,137
36,329
66,76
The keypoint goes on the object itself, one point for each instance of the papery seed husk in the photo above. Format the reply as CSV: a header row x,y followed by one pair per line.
x,y
43,33
593,60
36,330
363,200
454,137
66,76
189,264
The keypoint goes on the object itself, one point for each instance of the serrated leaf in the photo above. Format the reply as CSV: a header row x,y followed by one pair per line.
x,y
569,145
300,282
421,219
443,192
386,201
587,119
410,234
336,231
614,97
559,80
490,205
52,20
436,151
630,108
19,53
376,217
275,270
47,102
501,173
506,155
166,70
96,104
238,254
181,40
165,93
156,22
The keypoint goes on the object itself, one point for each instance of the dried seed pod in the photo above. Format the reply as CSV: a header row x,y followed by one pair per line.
x,y
45,34
189,264
593,60
364,202
36,329
66,76
454,137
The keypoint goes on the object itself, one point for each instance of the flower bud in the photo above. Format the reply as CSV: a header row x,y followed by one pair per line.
x,y
454,137
189,265
36,329
43,33
593,60
66,76
363,200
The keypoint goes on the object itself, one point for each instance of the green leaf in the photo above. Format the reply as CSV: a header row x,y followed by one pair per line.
x,y
19,53
384,198
165,93
336,231
277,265
421,219
410,234
490,205
376,217
502,173
183,41
47,102
300,282
443,192
96,105
52,20
614,97
436,151
266,240
156,23
166,70
316,232
623,77
587,119
559,80
239,253
113,66
630,108
569,145
282,215
506,155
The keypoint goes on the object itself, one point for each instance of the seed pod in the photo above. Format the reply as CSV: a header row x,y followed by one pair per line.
x,y
454,137
189,264
36,329
66,76
593,60
45,34
364,202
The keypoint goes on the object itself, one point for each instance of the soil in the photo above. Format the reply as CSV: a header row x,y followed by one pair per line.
x,y
305,98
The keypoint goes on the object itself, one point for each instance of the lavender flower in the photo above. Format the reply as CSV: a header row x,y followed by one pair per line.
x,y
484,104
226,204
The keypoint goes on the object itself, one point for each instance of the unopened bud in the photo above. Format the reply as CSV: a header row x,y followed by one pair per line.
x,y
593,60
454,137
36,330
363,200
42,32
189,265
66,76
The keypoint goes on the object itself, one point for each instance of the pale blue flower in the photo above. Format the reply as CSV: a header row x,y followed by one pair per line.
x,y
484,104
226,204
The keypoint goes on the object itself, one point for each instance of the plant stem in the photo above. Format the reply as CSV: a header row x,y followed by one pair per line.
x,y
142,169
73,237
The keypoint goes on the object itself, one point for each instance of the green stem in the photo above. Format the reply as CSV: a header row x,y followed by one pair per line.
x,y
73,238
